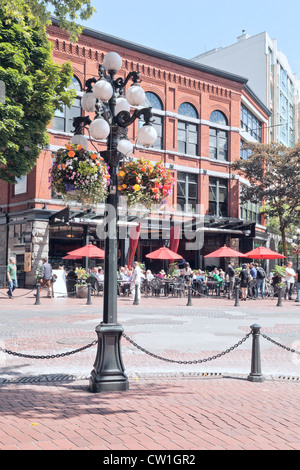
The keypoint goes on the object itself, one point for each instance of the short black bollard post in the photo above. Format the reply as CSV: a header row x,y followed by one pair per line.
x,y
279,303
37,297
136,295
89,300
255,374
189,304
237,296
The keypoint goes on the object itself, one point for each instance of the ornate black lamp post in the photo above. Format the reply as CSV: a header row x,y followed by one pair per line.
x,y
105,97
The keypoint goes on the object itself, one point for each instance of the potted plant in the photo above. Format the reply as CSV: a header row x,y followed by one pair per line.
x,y
81,284
79,175
145,183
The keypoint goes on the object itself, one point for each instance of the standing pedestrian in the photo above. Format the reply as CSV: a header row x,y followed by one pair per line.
x,y
46,276
298,283
136,280
231,276
244,276
290,277
253,282
261,281
11,273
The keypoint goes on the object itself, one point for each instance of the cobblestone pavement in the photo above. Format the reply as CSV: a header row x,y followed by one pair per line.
x,y
45,404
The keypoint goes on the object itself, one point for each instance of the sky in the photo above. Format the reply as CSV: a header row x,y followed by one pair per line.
x,y
186,28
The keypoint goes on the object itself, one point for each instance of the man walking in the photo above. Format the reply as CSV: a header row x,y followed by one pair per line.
x,y
11,273
46,276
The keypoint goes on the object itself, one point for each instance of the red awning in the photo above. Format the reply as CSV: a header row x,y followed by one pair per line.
x,y
133,243
174,238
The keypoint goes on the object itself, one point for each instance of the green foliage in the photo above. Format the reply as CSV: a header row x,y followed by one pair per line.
x,y
279,271
35,87
37,13
274,174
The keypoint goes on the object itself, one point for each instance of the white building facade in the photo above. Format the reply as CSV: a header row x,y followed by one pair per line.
x,y
270,77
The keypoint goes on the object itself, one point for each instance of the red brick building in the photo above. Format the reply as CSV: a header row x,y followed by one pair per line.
x,y
201,115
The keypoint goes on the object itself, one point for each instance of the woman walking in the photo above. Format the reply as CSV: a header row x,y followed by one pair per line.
x,y
244,277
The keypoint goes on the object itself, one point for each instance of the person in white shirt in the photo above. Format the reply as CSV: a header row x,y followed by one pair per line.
x,y
290,277
136,280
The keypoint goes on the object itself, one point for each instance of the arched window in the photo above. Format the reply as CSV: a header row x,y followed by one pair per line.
x,y
187,141
218,117
158,122
218,138
63,120
187,109
154,100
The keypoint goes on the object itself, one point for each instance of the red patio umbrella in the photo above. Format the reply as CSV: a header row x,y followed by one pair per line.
x,y
163,253
225,252
70,257
87,251
262,252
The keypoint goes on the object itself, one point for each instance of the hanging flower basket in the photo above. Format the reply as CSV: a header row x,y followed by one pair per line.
x,y
79,175
143,182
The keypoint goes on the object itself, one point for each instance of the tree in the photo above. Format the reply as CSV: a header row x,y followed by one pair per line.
x,y
37,13
273,171
34,87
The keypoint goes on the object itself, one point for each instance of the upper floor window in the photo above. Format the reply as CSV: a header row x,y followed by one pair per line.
x,y
187,191
187,109
218,138
187,141
218,197
63,120
251,211
158,122
218,117
251,123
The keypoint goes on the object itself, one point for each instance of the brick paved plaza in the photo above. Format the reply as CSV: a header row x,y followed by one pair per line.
x,y
45,404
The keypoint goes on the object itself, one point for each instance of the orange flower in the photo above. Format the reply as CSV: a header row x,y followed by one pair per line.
x,y
93,156
71,153
63,166
68,147
107,177
79,147
155,190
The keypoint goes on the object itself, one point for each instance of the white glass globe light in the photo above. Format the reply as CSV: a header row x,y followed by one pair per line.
x,y
135,95
88,102
99,129
79,139
125,147
103,90
112,61
147,135
122,105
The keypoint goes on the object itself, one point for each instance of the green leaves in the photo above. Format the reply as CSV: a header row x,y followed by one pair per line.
x,y
274,173
35,87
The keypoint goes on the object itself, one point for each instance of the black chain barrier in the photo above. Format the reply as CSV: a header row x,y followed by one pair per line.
x,y
52,356
199,361
174,361
16,296
280,345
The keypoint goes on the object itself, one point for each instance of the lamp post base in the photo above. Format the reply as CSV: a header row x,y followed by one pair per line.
x,y
108,374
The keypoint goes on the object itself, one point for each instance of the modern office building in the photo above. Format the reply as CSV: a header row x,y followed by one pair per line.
x,y
270,78
197,111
